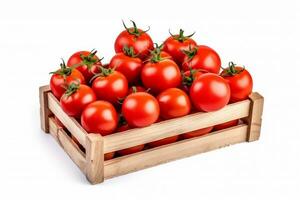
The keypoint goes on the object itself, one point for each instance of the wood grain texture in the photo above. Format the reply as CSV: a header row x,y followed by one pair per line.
x,y
176,126
181,149
94,158
255,116
44,110
69,122
67,144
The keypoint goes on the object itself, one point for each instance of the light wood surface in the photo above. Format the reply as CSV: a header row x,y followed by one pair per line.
x,y
44,110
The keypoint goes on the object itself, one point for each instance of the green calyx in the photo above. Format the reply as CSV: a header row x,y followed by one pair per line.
x,y
181,37
157,48
64,70
90,59
191,52
134,30
155,53
232,69
188,80
104,72
72,88
129,51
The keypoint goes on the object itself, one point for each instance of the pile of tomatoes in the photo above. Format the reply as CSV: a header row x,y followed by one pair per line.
x,y
145,83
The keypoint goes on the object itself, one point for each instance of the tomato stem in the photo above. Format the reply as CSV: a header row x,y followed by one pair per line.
x,y
181,37
134,30
191,52
72,88
129,51
64,70
231,70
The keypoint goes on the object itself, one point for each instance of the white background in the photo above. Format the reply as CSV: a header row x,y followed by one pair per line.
x,y
263,35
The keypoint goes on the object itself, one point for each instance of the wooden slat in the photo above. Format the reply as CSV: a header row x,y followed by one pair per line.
x,y
67,144
181,149
44,110
176,126
69,122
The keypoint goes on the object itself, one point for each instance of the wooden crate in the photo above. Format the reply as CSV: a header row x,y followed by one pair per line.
x,y
92,164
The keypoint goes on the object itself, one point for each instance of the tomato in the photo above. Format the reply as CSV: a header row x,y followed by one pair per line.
x,y
164,141
176,44
140,109
197,133
202,57
110,85
134,89
129,150
76,98
226,125
128,64
160,74
86,62
99,117
240,82
210,92
136,38
62,78
173,102
188,78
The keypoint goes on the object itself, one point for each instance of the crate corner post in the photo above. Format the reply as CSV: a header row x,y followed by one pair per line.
x,y
94,158
255,116
44,110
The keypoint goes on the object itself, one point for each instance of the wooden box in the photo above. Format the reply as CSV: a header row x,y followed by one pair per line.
x,y
91,161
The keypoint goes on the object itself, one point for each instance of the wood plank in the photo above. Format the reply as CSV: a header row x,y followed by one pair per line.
x,y
181,149
44,111
255,116
67,144
176,126
69,122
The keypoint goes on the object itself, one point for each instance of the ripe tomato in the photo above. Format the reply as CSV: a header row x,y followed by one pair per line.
x,y
110,85
202,57
176,44
62,78
196,133
226,125
160,74
240,82
173,102
140,109
136,38
210,92
128,64
76,98
86,62
99,117
188,78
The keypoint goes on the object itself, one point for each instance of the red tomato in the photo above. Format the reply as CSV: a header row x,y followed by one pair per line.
x,y
110,85
99,117
197,133
128,64
240,82
160,74
76,98
210,92
140,109
202,57
164,141
176,44
136,38
86,62
226,125
173,102
62,78
134,89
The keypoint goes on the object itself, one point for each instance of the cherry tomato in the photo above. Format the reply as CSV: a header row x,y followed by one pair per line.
x,y
176,44
202,57
173,102
240,82
210,92
110,85
136,38
160,74
62,78
76,98
226,125
196,133
99,117
140,109
86,62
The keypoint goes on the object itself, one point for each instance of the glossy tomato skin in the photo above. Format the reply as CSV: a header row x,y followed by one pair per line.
x,y
210,92
141,44
197,133
99,117
87,72
140,109
226,125
205,59
173,102
58,84
175,47
130,67
74,104
241,84
159,76
112,87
